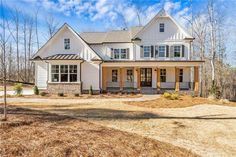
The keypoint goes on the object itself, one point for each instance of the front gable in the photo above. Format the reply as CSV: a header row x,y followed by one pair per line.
x,y
55,45
172,30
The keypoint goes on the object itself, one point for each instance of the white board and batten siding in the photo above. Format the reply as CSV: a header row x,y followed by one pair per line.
x,y
90,70
41,74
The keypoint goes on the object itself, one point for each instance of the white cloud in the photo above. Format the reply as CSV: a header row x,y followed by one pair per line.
x,y
169,6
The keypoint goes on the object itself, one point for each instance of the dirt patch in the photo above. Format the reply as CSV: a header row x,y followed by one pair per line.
x,y
53,135
184,101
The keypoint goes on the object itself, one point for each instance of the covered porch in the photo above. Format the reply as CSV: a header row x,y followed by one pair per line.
x,y
152,78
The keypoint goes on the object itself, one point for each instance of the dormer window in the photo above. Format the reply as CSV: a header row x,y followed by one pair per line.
x,y
67,44
162,27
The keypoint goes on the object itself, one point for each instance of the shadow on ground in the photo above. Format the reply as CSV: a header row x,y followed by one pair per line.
x,y
112,114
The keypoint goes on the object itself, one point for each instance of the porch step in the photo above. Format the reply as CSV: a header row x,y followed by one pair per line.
x,y
148,90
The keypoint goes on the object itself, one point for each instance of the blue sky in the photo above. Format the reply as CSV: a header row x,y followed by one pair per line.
x,y
102,15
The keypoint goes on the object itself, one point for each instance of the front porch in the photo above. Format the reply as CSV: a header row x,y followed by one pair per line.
x,y
150,79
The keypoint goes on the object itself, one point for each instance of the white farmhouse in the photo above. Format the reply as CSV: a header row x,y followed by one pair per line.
x,y
152,58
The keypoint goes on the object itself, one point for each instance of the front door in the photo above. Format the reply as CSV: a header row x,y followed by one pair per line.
x,y
146,77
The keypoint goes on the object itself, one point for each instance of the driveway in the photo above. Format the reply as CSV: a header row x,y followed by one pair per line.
x,y
208,130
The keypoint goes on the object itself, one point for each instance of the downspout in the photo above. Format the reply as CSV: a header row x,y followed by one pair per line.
x,y
80,76
100,69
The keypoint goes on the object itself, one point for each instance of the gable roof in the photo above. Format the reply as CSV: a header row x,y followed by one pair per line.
x,y
117,36
163,13
65,25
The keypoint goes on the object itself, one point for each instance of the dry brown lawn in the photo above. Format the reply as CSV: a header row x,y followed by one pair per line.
x,y
38,133
183,101
10,86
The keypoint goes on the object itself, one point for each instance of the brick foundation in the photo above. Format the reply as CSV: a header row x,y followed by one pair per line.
x,y
66,88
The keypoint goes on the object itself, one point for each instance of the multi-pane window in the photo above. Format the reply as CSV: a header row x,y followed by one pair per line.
x,y
123,53
55,73
116,53
114,75
181,75
146,51
162,27
162,51
64,73
120,54
177,50
129,75
67,44
163,75
73,73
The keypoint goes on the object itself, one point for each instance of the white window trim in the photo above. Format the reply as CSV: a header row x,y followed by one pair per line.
x,y
180,51
119,49
132,75
160,27
50,74
149,51
159,51
69,44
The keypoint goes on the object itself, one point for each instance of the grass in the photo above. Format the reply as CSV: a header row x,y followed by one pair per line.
x,y
38,133
183,101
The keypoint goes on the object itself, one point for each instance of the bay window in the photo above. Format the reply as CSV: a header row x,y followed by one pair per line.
x,y
64,73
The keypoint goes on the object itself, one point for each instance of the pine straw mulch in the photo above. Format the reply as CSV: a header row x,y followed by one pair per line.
x,y
183,101
83,96
37,133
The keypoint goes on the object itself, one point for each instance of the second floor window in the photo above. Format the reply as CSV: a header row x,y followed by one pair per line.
x,y
146,51
177,50
163,75
120,53
162,51
162,27
67,44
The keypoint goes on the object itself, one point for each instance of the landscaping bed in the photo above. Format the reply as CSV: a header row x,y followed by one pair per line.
x,y
182,101
44,134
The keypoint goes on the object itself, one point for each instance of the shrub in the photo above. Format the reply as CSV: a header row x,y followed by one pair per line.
x,y
167,95
90,90
18,88
60,94
174,96
43,93
36,90
76,94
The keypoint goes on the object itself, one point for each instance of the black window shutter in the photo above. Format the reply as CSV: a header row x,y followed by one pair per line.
x,y
127,53
152,51
167,51
183,50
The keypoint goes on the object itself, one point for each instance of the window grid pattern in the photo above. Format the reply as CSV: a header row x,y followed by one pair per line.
x,y
163,75
64,73
115,75
67,44
146,51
